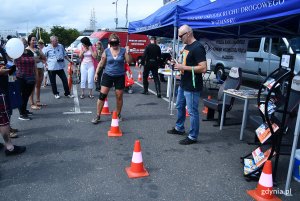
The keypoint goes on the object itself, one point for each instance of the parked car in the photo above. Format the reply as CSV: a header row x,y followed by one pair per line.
x,y
75,48
258,63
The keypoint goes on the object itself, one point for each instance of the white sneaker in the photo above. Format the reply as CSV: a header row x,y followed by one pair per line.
x,y
70,96
57,96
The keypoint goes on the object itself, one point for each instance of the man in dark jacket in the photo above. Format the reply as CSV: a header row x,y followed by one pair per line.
x,y
151,59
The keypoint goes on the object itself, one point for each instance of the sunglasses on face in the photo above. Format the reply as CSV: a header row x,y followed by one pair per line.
x,y
182,35
114,43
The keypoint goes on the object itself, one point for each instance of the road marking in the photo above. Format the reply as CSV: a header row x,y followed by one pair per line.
x,y
151,91
76,103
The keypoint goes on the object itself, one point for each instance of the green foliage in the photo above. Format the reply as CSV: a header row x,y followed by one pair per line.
x,y
65,36
44,34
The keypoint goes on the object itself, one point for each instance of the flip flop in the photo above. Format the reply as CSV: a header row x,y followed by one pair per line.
x,y
35,107
91,96
82,96
39,104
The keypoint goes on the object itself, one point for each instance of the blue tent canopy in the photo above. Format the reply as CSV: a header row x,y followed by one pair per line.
x,y
163,21
245,18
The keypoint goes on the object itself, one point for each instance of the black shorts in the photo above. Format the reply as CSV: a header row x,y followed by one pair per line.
x,y
109,81
4,118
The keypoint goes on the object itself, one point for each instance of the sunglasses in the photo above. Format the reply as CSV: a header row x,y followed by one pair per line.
x,y
114,43
182,35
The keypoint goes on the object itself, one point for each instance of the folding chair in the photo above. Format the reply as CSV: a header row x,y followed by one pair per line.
x,y
233,81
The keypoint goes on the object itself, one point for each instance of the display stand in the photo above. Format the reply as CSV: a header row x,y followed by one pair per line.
x,y
272,102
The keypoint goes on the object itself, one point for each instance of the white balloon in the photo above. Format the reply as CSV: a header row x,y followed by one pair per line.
x,y
14,48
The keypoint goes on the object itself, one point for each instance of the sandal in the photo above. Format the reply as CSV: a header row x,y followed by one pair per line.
x,y
39,104
91,96
82,96
35,107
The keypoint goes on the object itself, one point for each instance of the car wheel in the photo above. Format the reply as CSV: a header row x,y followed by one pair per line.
x,y
220,73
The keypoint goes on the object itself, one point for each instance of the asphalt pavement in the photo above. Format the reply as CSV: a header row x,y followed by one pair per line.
x,y
69,158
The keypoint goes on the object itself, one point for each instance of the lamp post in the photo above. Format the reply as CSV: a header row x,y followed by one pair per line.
x,y
116,19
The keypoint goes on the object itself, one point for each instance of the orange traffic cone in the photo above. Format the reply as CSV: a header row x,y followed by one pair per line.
x,y
186,112
140,77
264,189
70,73
105,109
137,169
205,109
114,129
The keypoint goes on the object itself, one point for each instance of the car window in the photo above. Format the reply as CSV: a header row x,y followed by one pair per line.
x,y
253,45
278,46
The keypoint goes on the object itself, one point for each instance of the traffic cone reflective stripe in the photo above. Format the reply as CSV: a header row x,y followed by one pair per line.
x,y
186,112
264,189
205,109
140,77
105,109
136,64
137,169
114,129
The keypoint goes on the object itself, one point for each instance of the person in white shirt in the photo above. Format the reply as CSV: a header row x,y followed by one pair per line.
x,y
56,55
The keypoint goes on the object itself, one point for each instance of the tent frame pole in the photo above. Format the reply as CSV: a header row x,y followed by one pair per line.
x,y
171,95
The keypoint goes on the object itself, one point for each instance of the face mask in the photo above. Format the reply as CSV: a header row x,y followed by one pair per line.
x,y
114,43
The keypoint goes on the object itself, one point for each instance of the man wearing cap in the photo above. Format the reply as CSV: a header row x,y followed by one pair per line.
x,y
151,59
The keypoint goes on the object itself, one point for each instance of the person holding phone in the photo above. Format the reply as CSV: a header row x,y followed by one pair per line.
x,y
191,84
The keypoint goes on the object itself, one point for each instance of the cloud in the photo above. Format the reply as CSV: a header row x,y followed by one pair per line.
x,y
27,14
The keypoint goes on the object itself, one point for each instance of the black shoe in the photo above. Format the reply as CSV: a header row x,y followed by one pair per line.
x,y
28,112
158,95
1,146
96,120
17,150
187,141
145,92
24,117
176,132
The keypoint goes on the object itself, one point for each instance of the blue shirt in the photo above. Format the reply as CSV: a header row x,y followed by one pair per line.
x,y
55,57
115,66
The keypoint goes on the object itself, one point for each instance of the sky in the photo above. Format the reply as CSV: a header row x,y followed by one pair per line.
x,y
25,15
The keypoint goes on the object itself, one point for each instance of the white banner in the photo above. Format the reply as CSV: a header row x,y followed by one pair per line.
x,y
226,49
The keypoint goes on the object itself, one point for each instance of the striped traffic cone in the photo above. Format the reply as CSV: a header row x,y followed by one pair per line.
x,y
205,109
186,112
264,189
105,109
137,169
140,77
114,128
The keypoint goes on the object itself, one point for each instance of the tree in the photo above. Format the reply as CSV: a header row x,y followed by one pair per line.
x,y
43,34
65,36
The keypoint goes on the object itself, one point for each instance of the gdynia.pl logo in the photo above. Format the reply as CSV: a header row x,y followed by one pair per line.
x,y
277,192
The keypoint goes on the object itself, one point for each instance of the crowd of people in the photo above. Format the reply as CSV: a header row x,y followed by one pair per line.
x,y
106,68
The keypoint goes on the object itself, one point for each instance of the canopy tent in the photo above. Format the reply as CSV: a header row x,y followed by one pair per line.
x,y
244,18
163,21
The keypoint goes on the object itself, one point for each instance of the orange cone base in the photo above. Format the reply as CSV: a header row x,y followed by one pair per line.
x,y
114,134
105,113
133,175
254,195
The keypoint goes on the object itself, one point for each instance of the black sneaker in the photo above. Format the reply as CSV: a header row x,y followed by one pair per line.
x,y
158,95
24,117
187,141
120,117
176,132
29,113
17,150
145,93
96,120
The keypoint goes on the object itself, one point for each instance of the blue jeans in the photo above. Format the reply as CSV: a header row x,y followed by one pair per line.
x,y
191,100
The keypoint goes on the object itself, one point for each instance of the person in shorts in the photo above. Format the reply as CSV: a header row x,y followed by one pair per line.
x,y
113,58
